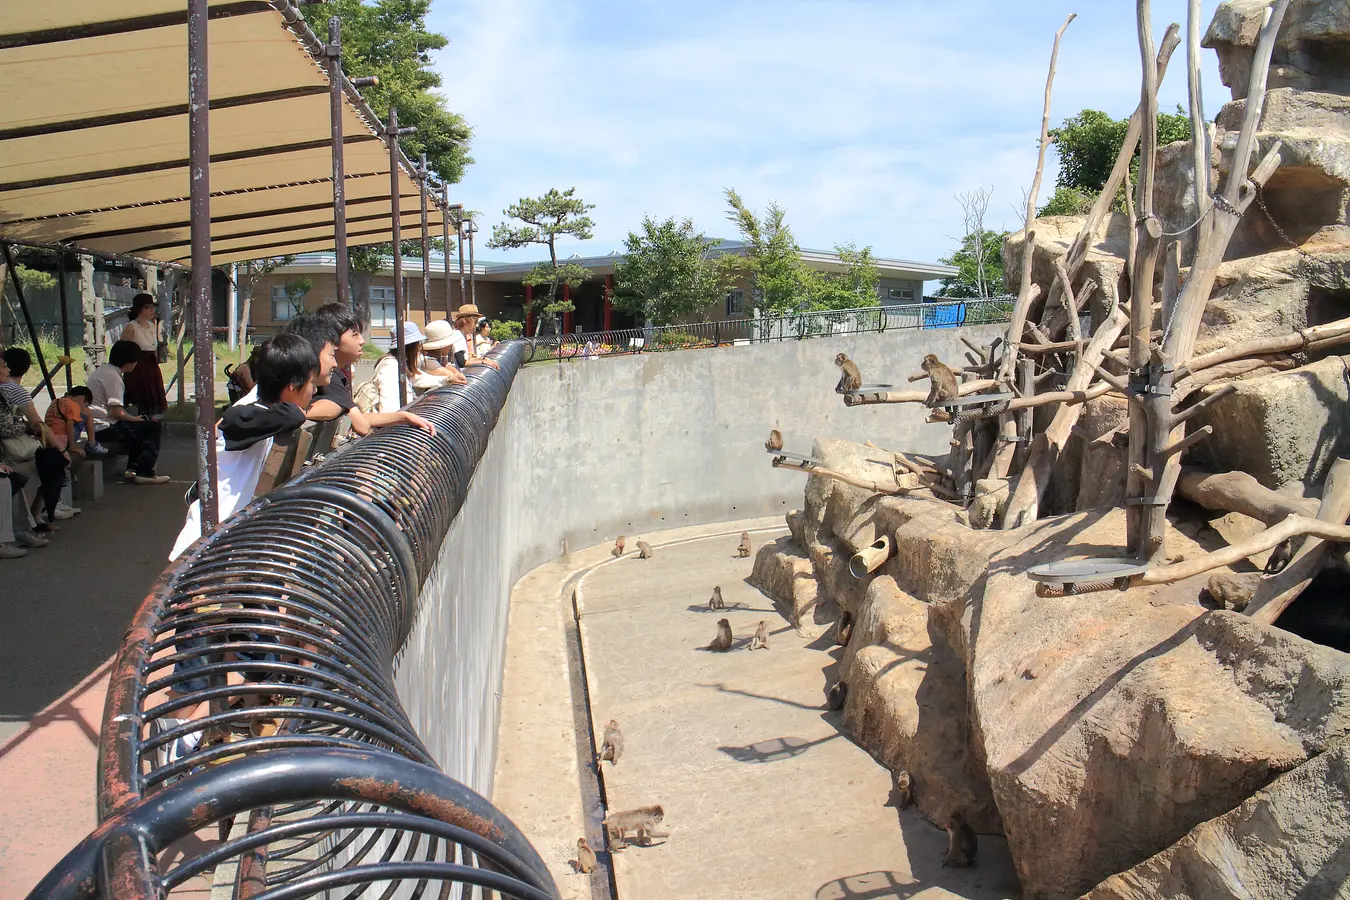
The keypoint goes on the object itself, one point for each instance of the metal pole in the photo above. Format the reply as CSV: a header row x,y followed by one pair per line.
x,y
459,251
232,304
399,313
445,243
65,316
473,277
426,240
333,52
199,158
28,322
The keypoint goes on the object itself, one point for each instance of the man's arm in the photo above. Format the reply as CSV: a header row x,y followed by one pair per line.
x,y
379,420
323,411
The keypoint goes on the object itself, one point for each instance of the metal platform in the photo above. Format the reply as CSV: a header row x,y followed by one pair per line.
x,y
871,389
1069,573
785,454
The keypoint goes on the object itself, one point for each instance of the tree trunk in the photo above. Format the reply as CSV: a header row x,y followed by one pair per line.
x,y
94,352
1240,493
360,288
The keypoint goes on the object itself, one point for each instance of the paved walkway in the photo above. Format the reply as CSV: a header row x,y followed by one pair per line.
x,y
65,608
764,796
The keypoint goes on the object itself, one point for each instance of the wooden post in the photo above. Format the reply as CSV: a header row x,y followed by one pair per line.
x,y
95,353
1200,147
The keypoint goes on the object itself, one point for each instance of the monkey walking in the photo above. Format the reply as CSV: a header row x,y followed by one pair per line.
x,y
716,602
644,550
744,550
585,862
903,783
844,631
612,748
618,548
775,441
944,386
721,643
837,695
960,842
761,638
640,822
850,379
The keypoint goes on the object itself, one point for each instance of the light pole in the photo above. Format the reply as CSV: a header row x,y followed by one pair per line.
x,y
472,228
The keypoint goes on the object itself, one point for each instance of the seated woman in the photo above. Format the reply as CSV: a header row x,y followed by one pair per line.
x,y
437,360
482,338
386,379
40,448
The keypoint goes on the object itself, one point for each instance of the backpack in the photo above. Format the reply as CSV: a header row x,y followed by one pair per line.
x,y
367,394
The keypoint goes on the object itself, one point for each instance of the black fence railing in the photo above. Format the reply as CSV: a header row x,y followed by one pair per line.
x,y
254,694
732,332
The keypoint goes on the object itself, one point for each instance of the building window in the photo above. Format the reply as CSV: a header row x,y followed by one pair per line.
x,y
382,307
735,303
904,295
283,307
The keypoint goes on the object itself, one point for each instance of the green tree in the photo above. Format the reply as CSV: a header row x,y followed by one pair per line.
x,y
295,291
772,256
545,219
1088,145
967,281
669,272
1068,201
853,288
390,40
34,279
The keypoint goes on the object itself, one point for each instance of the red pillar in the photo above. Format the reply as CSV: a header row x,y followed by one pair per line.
x,y
567,316
529,310
609,307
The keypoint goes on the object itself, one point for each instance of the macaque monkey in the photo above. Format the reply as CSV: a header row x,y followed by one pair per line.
x,y
761,638
612,748
618,548
1280,556
960,842
1232,591
644,550
716,602
641,822
722,643
744,550
944,383
837,695
844,631
585,862
850,379
903,782
775,441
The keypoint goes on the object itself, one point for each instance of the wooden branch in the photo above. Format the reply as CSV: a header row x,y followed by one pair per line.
x,y
1188,441
1275,593
1073,398
984,359
1023,305
1330,334
1293,526
1181,416
1036,331
1171,287
1115,381
1200,148
1240,493
1234,369
892,489
873,397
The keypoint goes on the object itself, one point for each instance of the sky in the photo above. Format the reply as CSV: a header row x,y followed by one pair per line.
x,y
862,118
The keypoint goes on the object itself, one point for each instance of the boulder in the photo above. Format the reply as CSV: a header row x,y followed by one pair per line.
x,y
991,498
907,706
1101,480
1113,724
783,571
1282,428
1287,840
1311,49
1104,262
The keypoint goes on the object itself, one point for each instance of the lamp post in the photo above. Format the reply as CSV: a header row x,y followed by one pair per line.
x,y
472,228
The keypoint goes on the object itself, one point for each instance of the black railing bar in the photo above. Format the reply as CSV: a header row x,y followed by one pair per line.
x,y
434,871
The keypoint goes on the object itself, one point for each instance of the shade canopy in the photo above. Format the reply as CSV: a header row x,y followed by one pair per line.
x,y
94,133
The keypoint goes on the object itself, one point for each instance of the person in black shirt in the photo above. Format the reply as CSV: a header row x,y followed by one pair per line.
x,y
335,398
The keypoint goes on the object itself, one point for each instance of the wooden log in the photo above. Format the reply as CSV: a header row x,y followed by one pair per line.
x,y
1073,398
1275,593
1240,493
1291,527
1023,305
1234,369
1320,336
1024,504
1183,415
1200,146
873,397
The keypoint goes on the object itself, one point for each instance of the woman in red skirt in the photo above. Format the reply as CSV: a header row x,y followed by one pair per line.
x,y
145,383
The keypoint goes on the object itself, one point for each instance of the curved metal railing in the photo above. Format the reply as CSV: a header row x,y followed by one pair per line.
x,y
254,693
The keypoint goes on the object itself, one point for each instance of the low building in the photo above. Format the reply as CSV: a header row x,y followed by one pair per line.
x,y
497,289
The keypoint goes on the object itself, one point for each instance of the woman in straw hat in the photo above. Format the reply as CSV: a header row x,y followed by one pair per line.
x,y
466,320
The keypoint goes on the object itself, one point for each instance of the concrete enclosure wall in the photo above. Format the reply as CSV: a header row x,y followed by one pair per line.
x,y
587,450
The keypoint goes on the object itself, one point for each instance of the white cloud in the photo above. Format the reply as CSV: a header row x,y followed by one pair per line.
x,y
862,118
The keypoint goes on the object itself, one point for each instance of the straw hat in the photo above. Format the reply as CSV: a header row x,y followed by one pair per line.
x,y
439,335
468,309
411,334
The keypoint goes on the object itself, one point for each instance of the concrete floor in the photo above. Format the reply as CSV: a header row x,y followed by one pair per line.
x,y
66,607
764,796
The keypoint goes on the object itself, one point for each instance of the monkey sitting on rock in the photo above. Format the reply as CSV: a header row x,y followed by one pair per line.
x,y
612,748
618,548
903,784
716,601
585,862
960,842
775,441
722,643
644,550
761,638
744,550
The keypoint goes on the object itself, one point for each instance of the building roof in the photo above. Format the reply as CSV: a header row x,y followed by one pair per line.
x,y
822,260
94,133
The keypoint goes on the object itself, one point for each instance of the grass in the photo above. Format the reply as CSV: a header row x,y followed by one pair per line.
x,y
51,350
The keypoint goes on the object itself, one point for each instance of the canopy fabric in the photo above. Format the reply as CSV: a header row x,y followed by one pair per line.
x,y
94,134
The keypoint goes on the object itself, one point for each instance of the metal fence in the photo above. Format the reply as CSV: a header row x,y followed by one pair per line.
x,y
759,329
255,693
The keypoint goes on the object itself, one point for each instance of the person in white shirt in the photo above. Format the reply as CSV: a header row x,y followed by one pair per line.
x,y
145,383
466,320
140,434
286,372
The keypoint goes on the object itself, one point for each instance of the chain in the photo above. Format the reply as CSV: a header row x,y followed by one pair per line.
x,y
1261,201
1172,234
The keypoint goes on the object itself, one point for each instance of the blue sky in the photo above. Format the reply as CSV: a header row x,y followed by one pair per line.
x,y
862,117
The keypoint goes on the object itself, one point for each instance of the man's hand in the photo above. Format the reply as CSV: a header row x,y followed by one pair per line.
x,y
414,419
488,362
456,377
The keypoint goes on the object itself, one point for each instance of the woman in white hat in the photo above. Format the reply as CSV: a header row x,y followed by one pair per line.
x,y
386,376
439,345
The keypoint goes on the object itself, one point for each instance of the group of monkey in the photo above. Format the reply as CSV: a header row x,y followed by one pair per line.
x,y
944,383
640,824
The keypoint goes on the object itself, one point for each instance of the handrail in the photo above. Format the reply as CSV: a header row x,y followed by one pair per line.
x,y
760,329
257,677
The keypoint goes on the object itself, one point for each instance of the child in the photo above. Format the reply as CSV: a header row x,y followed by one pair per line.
x,y
69,419
286,371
